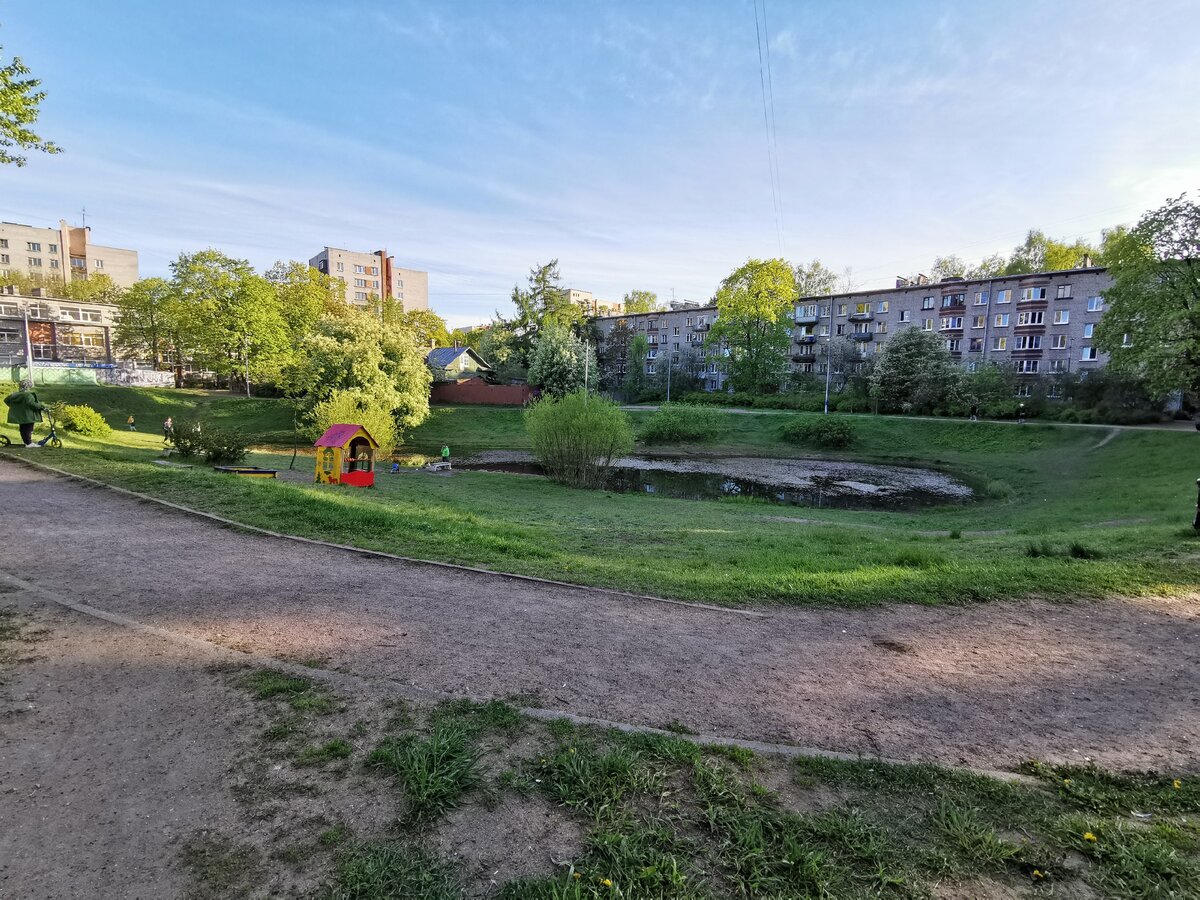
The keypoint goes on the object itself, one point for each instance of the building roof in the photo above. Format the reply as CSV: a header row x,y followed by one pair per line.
x,y
946,284
444,356
341,435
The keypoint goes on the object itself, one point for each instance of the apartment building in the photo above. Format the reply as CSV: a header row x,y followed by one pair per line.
x,y
62,333
64,253
593,306
676,336
371,275
1041,323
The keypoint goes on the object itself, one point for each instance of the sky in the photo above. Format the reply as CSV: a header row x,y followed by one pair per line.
x,y
475,140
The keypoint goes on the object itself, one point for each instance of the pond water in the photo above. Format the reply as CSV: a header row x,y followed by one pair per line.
x,y
796,482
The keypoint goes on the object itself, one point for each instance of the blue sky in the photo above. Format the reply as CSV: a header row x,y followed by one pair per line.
x,y
627,139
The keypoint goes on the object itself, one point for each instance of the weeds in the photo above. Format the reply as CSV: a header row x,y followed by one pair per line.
x,y
301,694
385,871
434,772
325,753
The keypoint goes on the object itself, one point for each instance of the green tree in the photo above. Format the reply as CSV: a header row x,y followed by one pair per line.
x,y
641,302
577,437
913,373
990,388
357,357
20,99
753,308
1039,253
148,321
1151,326
543,302
635,371
305,294
230,317
561,361
428,327
814,280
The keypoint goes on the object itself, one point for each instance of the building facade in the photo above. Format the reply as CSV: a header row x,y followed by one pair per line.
x,y
369,275
591,305
65,253
677,336
60,331
1041,323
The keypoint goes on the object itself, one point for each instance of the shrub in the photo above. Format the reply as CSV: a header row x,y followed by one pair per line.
x,y
825,432
358,408
216,445
684,422
576,438
82,420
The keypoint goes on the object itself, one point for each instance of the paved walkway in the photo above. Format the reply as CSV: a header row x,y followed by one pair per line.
x,y
985,685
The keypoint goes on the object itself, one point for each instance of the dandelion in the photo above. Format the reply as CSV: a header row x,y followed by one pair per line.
x,y
572,749
1177,784
607,882
1066,782
1089,837
576,875
1038,873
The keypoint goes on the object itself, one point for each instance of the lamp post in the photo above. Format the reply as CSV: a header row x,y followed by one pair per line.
x,y
828,356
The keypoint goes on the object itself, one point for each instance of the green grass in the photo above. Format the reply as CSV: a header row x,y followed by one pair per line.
x,y
319,755
385,871
302,694
433,771
1045,525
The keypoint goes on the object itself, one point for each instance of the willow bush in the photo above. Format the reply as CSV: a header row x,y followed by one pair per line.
x,y
577,437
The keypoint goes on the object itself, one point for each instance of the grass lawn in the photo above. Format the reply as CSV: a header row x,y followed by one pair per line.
x,y
1061,514
660,816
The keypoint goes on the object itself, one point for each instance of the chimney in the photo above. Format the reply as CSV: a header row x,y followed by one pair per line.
x,y
902,282
1087,261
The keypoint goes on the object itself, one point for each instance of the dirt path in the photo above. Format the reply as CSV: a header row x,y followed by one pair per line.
x,y
988,685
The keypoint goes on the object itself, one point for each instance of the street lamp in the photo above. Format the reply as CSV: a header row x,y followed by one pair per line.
x,y
828,356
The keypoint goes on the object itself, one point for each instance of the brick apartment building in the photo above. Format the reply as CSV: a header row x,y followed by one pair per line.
x,y
677,335
1041,323
368,275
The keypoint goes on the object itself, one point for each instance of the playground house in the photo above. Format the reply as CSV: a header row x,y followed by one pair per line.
x,y
346,455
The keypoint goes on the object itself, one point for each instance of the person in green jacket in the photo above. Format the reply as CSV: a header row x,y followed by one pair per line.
x,y
25,411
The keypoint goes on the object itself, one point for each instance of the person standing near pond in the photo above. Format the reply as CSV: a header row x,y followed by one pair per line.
x,y
446,454
25,411
168,427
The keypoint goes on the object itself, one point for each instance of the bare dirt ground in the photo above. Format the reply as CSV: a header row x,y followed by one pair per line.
x,y
1114,681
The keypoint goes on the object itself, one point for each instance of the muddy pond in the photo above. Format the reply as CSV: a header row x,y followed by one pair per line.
x,y
795,482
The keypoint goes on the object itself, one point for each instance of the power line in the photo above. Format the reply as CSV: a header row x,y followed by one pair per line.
x,y
762,81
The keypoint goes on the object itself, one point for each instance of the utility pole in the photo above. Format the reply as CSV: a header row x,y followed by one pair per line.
x,y
586,354
670,360
828,356
28,343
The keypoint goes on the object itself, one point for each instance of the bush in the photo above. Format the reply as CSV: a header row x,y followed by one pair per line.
x,y
216,445
358,408
576,438
825,433
683,422
82,420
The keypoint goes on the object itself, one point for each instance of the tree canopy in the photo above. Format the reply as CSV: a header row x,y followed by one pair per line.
x,y
1154,299
641,302
20,102
814,280
561,362
754,305
913,372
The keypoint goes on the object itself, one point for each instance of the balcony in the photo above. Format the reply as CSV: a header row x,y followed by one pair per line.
x,y
862,316
804,357
701,326
807,320
862,336
807,339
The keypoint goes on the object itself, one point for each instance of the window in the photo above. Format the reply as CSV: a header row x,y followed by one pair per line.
x,y
43,351
954,345
1000,343
976,345
375,284
1033,294
1058,342
905,315
1028,342
1088,329
981,298
979,322
1087,353
652,354
9,309
841,329
688,321
53,263
650,369
954,300
399,282
3,243
78,262
1028,366
99,263
1031,318
1058,365
35,262
3,257
341,267
360,295
1095,304
841,309
700,320
39,311
10,337
652,325
79,314
882,306
862,309
358,270
927,325
1024,390
1062,316
824,332
374,270
927,303
52,248
1064,291
360,282
1004,296
33,247
1127,340
881,327
675,331
951,322
1001,320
